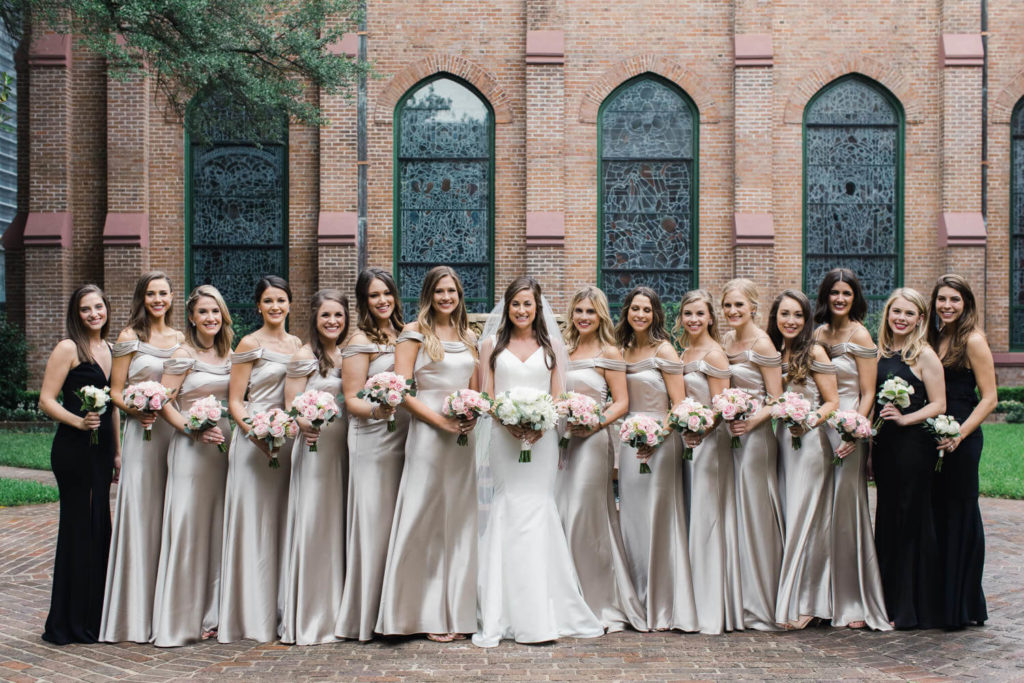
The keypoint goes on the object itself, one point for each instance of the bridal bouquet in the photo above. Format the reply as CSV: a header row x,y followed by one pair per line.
x,y
319,407
895,390
203,414
273,426
387,389
735,404
94,400
465,404
641,430
690,415
793,410
146,397
528,408
578,409
851,425
942,427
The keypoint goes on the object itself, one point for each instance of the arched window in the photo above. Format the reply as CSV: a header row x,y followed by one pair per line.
x,y
444,186
853,186
236,205
647,189
1017,227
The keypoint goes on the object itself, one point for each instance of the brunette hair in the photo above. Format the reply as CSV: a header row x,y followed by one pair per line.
x,y
540,331
679,330
960,329
324,361
625,336
138,318
75,327
917,339
605,327
425,318
225,335
367,323
802,346
859,307
275,281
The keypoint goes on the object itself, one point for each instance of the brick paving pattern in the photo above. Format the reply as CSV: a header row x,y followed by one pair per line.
x,y
995,652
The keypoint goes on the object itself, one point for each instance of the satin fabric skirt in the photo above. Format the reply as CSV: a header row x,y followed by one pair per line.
x,y
376,459
430,575
653,515
313,565
255,506
137,530
759,521
856,582
713,536
528,588
187,597
586,505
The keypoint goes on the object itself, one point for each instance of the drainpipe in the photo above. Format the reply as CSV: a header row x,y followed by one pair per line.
x,y
984,143
361,161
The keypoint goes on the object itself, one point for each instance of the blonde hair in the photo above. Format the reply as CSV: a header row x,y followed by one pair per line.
x,y
749,291
605,328
225,335
679,330
460,318
917,340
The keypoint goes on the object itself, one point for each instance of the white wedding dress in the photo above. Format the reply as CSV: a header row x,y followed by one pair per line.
x,y
528,589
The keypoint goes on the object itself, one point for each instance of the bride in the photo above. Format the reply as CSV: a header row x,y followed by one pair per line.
x,y
528,589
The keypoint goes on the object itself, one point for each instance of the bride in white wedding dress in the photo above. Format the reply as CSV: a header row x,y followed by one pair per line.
x,y
528,589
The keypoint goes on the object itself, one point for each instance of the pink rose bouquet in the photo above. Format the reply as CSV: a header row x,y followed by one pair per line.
x,y
851,426
387,389
735,404
273,426
319,407
203,414
94,400
692,416
641,430
792,410
146,397
466,404
578,410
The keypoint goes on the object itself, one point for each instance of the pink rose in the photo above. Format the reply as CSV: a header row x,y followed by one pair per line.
x,y
139,401
156,403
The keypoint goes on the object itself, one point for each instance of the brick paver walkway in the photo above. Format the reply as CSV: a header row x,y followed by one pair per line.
x,y
995,652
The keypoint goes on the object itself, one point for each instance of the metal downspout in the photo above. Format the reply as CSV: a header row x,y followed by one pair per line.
x,y
361,161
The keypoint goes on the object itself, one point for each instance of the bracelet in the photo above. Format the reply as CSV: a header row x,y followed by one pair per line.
x,y
373,412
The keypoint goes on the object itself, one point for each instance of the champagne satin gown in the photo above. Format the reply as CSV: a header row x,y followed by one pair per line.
x,y
255,505
138,513
653,508
586,505
376,460
187,596
758,502
313,565
856,582
430,573
713,535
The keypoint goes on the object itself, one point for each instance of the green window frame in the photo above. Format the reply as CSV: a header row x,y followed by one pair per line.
x,y
1017,227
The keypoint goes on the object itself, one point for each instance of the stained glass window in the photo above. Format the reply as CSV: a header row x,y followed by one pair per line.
x,y
1017,227
237,207
853,194
647,185
443,184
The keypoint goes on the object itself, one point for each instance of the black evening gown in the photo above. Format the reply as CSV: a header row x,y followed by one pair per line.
x,y
957,515
905,533
83,473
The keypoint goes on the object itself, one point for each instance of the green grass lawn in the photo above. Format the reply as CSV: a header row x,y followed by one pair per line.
x,y
26,449
18,492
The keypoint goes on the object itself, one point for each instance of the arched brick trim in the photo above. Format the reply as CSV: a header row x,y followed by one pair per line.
x,y
690,81
481,79
889,76
1002,106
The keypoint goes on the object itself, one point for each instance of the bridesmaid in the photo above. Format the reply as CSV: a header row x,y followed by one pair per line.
x,y
903,460
586,501
256,495
139,356
430,574
83,470
857,599
710,483
314,548
653,507
804,588
755,366
376,455
969,370
188,574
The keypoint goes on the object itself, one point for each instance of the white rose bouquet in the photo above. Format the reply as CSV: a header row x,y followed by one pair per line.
x,y
942,427
94,400
528,408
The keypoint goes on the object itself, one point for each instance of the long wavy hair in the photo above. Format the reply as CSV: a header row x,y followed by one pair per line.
x,y
426,317
367,322
323,359
917,340
605,327
859,307
225,335
75,326
679,329
138,318
540,331
960,329
800,347
625,335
